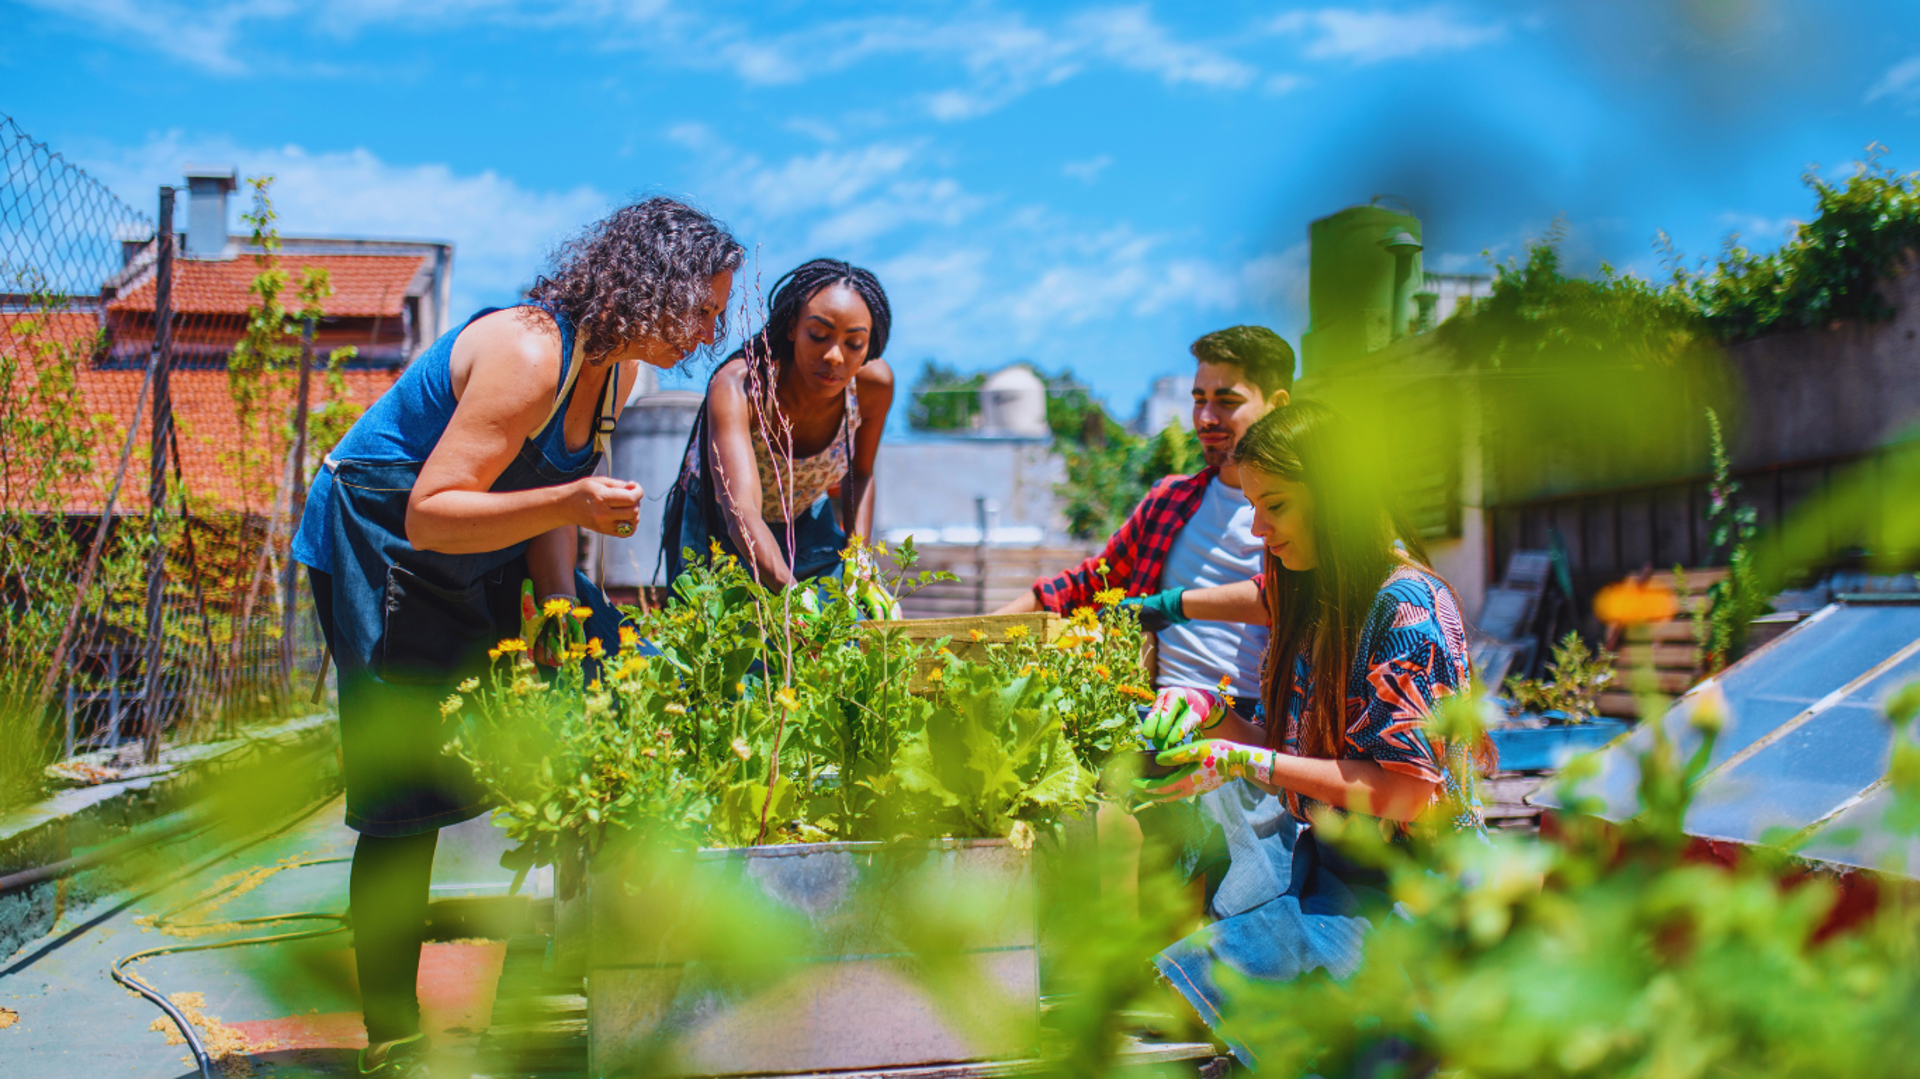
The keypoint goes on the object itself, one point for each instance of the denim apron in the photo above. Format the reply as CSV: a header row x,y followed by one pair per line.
x,y
409,625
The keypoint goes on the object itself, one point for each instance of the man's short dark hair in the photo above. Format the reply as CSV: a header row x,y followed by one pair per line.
x,y
1260,354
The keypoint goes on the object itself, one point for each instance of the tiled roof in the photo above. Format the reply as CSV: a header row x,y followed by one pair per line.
x,y
364,286
217,478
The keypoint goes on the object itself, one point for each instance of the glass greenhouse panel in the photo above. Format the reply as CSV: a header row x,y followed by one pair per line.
x,y
1764,691
1862,837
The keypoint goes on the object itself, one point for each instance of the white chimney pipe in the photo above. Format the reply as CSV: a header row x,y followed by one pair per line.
x,y
207,191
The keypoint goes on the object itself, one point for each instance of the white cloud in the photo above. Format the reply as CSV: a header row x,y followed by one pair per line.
x,y
1901,83
502,232
1369,37
1762,231
1002,55
1086,171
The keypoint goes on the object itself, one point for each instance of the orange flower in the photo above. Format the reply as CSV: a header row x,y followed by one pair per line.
x,y
1144,696
1632,603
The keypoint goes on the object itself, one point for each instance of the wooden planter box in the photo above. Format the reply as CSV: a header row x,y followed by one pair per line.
x,y
861,992
1043,626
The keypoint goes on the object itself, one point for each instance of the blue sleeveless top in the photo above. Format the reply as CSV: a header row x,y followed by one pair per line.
x,y
406,423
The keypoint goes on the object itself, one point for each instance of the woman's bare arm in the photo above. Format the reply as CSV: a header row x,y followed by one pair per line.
x,y
736,477
1238,602
451,509
875,385
1359,786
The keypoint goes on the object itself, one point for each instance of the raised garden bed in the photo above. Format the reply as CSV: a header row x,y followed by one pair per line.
x,y
857,987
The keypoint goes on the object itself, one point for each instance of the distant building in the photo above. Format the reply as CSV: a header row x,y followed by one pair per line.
x,y
390,300
1168,402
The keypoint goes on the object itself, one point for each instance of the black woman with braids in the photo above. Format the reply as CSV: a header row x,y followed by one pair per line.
x,y
796,411
459,492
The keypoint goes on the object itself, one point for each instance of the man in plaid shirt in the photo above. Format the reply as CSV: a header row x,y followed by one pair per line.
x,y
1242,373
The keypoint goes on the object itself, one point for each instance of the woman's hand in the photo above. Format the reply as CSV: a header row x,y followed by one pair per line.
x,y
1179,711
1205,765
608,506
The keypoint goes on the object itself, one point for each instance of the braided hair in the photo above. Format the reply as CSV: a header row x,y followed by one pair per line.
x,y
643,271
774,342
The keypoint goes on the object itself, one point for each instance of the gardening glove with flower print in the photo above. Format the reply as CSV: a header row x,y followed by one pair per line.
x,y
1204,766
1177,712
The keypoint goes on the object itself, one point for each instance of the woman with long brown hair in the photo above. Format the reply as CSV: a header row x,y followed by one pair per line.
x,y
1366,643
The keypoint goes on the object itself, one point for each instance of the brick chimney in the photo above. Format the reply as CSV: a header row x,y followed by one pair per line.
x,y
207,191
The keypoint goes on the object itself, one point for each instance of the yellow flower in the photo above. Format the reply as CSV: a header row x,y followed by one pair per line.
x,y
1101,670
594,686
511,645
629,639
978,635
493,653
470,685
1086,616
1109,597
787,698
450,705
1024,671
1100,567
557,606
1014,633
595,648
583,613
935,674
1138,694
1226,683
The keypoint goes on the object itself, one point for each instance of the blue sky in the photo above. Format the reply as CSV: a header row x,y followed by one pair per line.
x,y
1080,185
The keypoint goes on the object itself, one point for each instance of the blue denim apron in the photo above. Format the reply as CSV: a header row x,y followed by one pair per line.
x,y
409,625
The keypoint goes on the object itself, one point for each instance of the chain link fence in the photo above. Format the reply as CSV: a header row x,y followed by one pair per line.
x,y
147,490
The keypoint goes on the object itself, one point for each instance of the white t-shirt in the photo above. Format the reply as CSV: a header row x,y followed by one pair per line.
x,y
1216,546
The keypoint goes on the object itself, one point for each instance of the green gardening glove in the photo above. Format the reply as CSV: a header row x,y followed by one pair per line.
x,y
1160,610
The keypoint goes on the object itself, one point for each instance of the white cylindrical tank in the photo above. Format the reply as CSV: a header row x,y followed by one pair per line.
x,y
1013,403
647,449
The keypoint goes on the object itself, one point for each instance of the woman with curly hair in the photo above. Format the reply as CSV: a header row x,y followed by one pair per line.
x,y
799,409
473,474
1366,643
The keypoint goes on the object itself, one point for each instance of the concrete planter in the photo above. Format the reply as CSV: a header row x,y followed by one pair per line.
x,y
883,956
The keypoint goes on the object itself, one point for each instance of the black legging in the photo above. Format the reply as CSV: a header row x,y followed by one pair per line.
x,y
387,900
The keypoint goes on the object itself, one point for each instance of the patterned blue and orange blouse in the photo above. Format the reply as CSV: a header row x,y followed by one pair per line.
x,y
1413,653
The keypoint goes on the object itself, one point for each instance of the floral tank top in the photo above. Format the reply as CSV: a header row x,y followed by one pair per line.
x,y
788,486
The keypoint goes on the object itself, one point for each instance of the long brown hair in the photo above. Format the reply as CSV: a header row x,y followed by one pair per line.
x,y
1323,611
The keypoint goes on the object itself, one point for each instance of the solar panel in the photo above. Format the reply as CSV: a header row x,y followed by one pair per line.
x,y
1781,681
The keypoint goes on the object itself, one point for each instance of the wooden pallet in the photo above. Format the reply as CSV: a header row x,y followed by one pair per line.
x,y
1677,662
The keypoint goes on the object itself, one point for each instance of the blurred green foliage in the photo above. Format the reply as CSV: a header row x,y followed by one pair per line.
x,y
1107,478
1862,229
1576,676
1734,601
944,399
1608,950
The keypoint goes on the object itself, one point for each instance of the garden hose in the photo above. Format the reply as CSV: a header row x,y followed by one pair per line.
x,y
135,983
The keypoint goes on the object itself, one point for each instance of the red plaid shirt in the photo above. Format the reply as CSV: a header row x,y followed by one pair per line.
x,y
1137,554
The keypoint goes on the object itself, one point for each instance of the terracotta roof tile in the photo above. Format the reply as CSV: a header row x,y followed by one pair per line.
x,y
209,436
364,286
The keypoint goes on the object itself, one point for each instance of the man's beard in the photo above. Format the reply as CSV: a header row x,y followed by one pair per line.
x,y
1215,456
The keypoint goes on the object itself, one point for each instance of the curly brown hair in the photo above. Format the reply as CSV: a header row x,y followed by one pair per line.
x,y
643,271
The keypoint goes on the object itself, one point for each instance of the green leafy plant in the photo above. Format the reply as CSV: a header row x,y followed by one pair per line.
x,y
1575,679
757,716
993,756
1736,599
